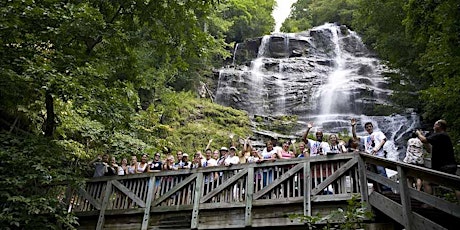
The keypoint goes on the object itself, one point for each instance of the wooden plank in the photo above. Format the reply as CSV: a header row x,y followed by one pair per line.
x,y
206,206
129,193
306,189
277,181
382,180
100,220
249,193
363,181
174,189
278,201
333,197
196,200
441,178
224,185
334,176
89,198
173,208
441,204
148,203
405,199
394,211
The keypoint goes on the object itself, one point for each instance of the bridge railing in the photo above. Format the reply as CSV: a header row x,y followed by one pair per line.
x,y
300,181
403,208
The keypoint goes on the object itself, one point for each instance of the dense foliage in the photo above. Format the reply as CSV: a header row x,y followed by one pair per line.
x,y
418,38
83,78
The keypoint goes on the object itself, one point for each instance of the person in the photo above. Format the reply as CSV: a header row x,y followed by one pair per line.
x,y
197,160
246,152
156,164
209,161
335,145
442,152
373,144
142,166
216,155
112,169
303,151
232,159
255,156
132,168
269,152
123,169
179,164
414,155
186,164
100,165
353,145
169,163
223,155
284,152
318,146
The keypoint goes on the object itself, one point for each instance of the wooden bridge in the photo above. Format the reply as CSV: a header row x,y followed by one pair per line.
x,y
260,195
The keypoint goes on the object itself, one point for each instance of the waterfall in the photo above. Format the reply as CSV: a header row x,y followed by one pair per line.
x,y
324,75
234,54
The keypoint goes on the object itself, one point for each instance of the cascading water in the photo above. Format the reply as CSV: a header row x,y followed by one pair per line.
x,y
325,75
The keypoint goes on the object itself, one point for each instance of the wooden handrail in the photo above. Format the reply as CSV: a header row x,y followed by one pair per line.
x,y
403,212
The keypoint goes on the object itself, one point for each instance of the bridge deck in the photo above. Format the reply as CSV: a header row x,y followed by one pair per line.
x,y
252,195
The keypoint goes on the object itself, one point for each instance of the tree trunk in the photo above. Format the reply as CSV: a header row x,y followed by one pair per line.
x,y
49,122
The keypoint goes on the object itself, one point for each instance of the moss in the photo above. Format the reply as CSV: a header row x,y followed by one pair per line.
x,y
191,122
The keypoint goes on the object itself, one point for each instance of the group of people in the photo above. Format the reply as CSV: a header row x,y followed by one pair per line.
x,y
438,143
225,156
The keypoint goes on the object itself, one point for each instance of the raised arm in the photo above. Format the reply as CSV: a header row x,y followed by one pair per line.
x,y
208,145
305,135
353,128
295,150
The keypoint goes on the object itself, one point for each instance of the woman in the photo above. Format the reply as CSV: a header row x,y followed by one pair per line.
x,y
123,168
284,152
169,163
132,168
142,167
255,156
335,146
303,151
246,152
269,153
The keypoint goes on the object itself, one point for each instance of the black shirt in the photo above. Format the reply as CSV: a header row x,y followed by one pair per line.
x,y
156,165
442,150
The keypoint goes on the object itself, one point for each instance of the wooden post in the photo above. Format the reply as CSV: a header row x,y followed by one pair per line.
x,y
363,180
306,188
249,194
152,188
196,200
101,219
405,199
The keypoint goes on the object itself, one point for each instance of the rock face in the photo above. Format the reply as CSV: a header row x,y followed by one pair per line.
x,y
324,75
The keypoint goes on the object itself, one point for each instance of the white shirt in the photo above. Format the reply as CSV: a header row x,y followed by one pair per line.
x,y
231,160
372,141
316,147
209,163
268,154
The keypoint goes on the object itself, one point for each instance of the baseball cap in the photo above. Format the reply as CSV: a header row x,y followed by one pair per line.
x,y
223,149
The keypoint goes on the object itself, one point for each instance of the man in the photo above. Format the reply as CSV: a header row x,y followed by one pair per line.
x,y
100,164
318,146
442,152
373,144
442,157
209,161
